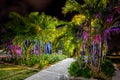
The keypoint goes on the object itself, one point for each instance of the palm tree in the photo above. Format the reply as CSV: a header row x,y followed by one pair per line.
x,y
95,12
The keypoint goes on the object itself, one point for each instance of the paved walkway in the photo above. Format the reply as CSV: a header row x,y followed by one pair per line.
x,y
117,73
59,71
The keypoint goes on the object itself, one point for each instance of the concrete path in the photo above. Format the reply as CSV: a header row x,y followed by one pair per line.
x,y
117,73
59,71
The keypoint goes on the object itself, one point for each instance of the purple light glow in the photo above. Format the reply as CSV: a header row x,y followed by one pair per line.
x,y
118,9
11,47
97,15
107,32
109,19
36,49
97,39
85,36
18,50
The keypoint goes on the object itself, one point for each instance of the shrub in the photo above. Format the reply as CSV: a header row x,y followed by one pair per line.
x,y
75,70
48,59
41,65
34,59
52,58
43,60
107,68
20,61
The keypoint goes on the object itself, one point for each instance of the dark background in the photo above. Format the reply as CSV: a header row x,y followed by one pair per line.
x,y
24,7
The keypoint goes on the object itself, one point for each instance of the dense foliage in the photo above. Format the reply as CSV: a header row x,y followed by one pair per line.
x,y
92,20
75,70
107,70
40,61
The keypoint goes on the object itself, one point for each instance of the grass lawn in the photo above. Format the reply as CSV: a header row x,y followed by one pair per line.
x,y
11,72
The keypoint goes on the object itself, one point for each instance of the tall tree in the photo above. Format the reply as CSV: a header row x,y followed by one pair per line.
x,y
95,12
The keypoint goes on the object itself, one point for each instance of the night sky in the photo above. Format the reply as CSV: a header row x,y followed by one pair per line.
x,y
24,7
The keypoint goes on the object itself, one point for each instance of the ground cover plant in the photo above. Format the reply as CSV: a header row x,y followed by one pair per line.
x,y
12,72
87,70
39,61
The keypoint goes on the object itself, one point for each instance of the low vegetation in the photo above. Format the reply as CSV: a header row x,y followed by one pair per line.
x,y
36,61
11,72
87,70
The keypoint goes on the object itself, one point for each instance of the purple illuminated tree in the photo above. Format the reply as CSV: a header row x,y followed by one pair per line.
x,y
98,19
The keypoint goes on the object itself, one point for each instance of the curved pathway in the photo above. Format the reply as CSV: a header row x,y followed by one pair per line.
x,y
58,71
